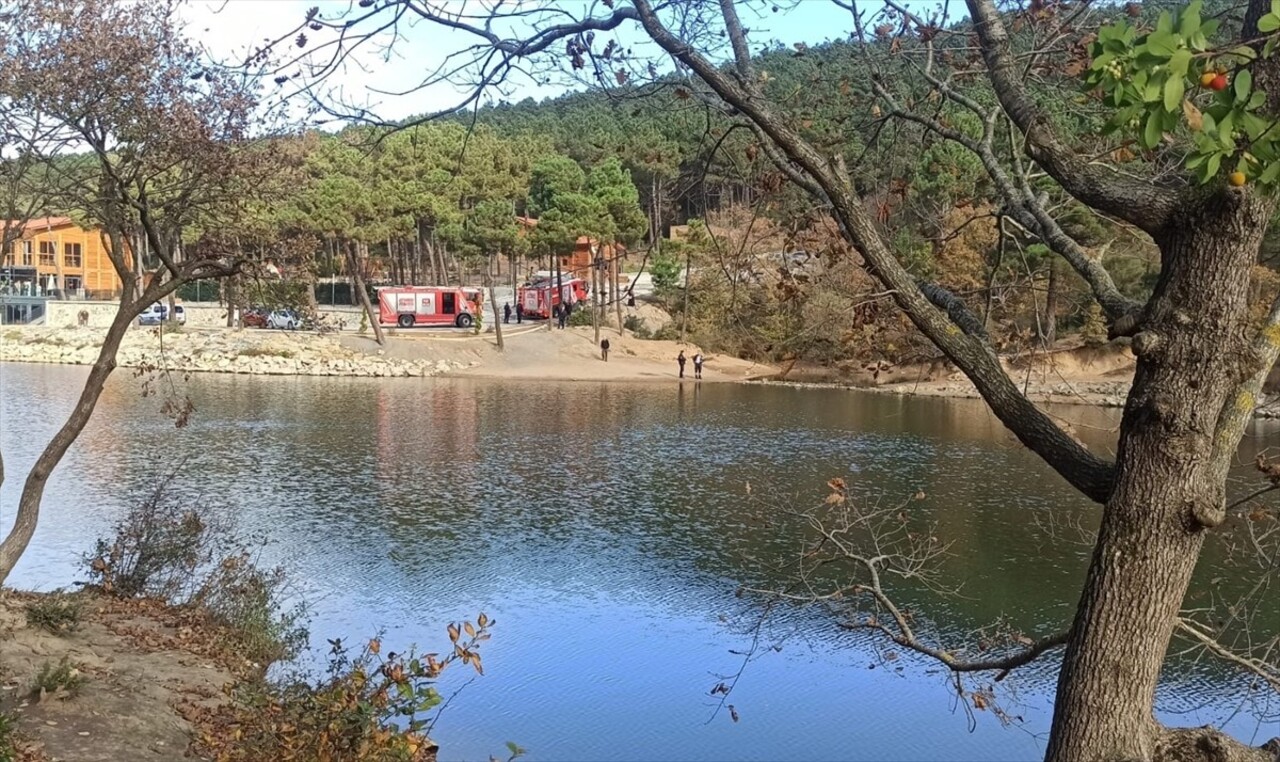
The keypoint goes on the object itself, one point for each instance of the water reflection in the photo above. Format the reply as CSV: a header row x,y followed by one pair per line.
x,y
605,528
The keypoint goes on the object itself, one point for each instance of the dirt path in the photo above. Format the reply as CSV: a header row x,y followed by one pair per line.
x,y
136,665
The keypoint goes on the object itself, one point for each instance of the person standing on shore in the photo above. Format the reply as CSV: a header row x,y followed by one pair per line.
x,y
681,361
604,350
519,312
697,365
506,312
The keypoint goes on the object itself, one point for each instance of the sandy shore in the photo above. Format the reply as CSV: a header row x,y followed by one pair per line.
x,y
531,351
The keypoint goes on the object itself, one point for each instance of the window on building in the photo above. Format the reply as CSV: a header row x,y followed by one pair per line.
x,y
48,253
70,255
73,283
26,253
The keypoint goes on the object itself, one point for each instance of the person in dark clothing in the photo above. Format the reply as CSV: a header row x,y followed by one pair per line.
x,y
519,312
562,314
604,350
680,359
697,365
631,300
506,312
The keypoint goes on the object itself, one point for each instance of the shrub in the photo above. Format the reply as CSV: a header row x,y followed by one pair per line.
x,y
246,600
370,706
636,325
1094,330
62,680
581,316
8,738
194,557
56,613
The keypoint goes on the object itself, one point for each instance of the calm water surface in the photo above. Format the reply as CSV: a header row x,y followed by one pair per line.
x,y
605,528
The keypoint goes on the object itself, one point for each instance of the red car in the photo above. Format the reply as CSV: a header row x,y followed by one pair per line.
x,y
254,318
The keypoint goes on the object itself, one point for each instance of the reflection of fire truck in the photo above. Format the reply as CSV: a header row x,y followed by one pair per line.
x,y
539,296
407,306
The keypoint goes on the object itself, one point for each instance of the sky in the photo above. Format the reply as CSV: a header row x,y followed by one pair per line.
x,y
229,28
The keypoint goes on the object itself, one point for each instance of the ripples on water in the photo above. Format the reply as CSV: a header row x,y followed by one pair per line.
x,y
605,528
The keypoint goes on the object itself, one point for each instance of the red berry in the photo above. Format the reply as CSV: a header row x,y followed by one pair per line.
x,y
1219,83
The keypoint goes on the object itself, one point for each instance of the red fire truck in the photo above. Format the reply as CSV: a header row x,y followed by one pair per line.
x,y
407,306
540,295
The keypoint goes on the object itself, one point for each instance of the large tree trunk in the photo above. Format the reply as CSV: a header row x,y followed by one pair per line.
x,y
1167,491
497,316
617,287
357,282
28,513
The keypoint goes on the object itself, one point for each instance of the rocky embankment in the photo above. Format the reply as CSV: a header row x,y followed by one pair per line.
x,y
1099,393
249,351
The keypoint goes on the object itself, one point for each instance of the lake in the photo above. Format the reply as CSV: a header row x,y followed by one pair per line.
x,y
606,529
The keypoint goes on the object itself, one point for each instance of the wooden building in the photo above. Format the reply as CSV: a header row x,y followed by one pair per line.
x,y
578,264
56,256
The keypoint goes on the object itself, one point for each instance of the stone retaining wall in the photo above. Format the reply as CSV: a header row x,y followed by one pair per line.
x,y
253,352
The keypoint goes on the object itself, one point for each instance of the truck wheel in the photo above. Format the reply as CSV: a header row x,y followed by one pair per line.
x,y
464,320
406,321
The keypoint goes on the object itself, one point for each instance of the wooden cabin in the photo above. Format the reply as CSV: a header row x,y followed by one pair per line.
x,y
55,255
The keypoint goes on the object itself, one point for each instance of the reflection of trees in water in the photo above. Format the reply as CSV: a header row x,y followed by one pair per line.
x,y
630,490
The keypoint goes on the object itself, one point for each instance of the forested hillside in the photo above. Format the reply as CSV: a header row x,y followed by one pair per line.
x,y
437,202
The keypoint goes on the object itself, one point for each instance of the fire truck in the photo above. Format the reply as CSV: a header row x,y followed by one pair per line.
x,y
539,296
407,306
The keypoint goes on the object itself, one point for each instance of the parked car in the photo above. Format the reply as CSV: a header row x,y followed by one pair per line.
x,y
285,320
159,312
254,317
153,315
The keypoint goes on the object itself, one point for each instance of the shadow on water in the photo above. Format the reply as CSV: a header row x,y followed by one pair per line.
x,y
605,529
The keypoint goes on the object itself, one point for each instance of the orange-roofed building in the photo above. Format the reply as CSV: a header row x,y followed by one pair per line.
x,y
56,254
578,264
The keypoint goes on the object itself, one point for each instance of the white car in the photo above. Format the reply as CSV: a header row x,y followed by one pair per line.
x,y
159,312
284,320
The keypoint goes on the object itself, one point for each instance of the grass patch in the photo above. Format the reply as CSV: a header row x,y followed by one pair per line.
x,y
266,352
56,613
61,680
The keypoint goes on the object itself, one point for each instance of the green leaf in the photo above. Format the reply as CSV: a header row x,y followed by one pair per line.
x,y
1209,27
1269,23
1256,100
1174,88
1196,160
1244,51
1270,174
1211,167
1243,85
1190,21
1165,23
1162,44
1179,62
1225,126
1275,7
1254,125
1150,89
1153,131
